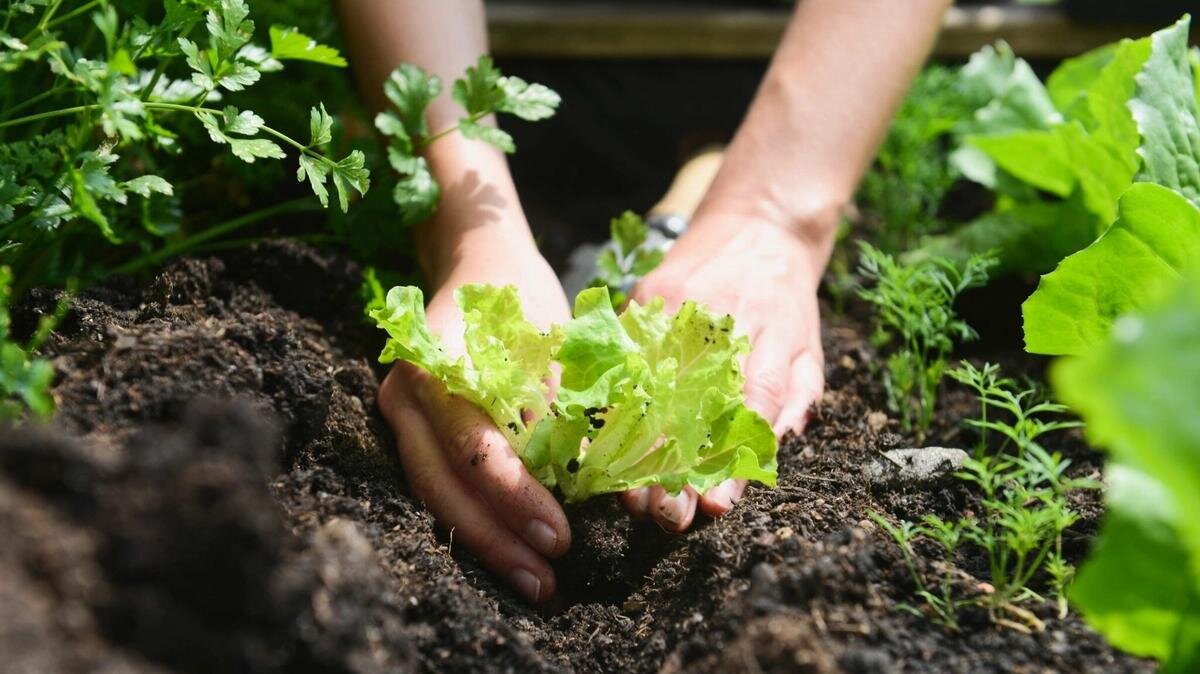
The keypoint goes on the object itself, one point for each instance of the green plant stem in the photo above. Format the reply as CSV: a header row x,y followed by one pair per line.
x,y
36,99
155,105
426,142
183,245
82,9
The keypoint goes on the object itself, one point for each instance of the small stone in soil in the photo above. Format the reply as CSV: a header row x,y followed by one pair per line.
x,y
913,466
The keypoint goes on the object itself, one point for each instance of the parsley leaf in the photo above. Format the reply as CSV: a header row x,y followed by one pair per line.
x,y
290,43
479,89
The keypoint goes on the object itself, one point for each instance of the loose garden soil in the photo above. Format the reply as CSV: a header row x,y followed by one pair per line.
x,y
218,493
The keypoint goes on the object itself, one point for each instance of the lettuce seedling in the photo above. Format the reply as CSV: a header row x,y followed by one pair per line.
x,y
644,398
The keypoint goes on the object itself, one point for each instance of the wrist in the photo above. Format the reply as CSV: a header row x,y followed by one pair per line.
x,y
479,217
809,234
472,253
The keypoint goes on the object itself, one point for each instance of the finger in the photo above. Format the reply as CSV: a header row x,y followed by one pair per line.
x,y
767,375
807,382
720,499
459,509
480,454
657,285
673,513
637,502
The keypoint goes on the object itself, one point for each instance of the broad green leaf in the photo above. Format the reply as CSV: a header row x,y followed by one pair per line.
x,y
1165,110
1070,82
1195,56
1137,392
1156,237
1060,160
1030,236
1137,587
529,101
290,43
1007,97
491,135
1036,157
1111,122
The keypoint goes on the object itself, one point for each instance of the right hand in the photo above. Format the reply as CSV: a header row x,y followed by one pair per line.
x,y
455,459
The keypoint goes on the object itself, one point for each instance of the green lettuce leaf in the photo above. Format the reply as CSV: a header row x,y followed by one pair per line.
x,y
662,398
1165,111
644,398
1008,96
510,357
1156,237
1137,392
1136,588
1089,157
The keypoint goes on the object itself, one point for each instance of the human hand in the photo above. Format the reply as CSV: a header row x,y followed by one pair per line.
x,y
766,276
456,461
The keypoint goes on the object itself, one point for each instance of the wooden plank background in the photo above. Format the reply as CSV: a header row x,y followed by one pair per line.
x,y
628,30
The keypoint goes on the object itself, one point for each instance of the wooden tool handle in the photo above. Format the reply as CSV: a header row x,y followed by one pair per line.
x,y
690,183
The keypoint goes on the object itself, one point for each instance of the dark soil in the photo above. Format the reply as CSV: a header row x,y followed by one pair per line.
x,y
218,494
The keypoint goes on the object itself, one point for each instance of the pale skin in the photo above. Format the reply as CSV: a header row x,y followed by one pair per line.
x,y
756,248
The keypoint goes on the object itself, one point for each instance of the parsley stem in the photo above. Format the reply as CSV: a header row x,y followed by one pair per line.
x,y
71,14
62,112
156,105
49,14
426,142
37,99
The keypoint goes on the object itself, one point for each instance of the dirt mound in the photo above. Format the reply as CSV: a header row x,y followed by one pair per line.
x,y
156,530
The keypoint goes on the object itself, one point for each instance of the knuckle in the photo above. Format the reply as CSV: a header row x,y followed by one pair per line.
x,y
470,445
766,386
422,481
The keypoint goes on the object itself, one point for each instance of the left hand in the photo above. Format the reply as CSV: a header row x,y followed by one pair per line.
x,y
766,276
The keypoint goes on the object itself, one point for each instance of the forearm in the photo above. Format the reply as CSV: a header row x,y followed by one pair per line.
x,y
479,209
822,109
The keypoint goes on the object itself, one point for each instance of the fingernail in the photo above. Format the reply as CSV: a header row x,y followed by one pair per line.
x,y
672,507
722,495
541,536
526,583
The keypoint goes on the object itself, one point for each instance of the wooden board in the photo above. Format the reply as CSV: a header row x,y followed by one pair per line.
x,y
628,30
